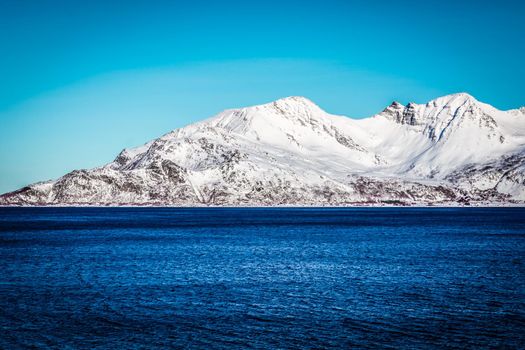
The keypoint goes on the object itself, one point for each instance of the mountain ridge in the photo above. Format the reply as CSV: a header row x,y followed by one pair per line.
x,y
451,150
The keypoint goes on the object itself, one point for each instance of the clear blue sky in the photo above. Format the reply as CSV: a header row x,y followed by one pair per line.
x,y
80,80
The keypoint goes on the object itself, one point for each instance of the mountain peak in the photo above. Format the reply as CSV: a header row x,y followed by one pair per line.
x,y
266,118
434,112
292,107
294,99
459,98
451,100
293,104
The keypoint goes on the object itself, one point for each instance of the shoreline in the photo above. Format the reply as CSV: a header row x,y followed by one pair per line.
x,y
285,206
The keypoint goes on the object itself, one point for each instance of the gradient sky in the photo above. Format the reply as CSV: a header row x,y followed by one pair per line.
x,y
80,80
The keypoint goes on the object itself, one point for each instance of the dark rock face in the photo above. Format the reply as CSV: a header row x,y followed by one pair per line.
x,y
409,115
402,114
394,112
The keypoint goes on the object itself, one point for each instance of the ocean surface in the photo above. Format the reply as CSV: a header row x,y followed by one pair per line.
x,y
280,278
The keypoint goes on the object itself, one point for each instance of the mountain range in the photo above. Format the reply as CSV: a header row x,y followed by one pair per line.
x,y
453,150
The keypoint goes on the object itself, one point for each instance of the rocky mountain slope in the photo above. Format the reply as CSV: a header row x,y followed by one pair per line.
x,y
452,150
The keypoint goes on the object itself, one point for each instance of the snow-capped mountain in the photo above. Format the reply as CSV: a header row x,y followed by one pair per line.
x,y
452,150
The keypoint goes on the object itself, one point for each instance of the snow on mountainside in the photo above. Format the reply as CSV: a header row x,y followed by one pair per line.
x,y
452,150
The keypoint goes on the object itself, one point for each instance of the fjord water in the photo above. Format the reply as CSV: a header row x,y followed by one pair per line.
x,y
262,278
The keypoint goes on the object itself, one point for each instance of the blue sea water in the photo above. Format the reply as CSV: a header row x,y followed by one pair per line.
x,y
262,278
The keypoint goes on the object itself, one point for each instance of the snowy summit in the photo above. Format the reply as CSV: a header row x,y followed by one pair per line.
x,y
451,150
